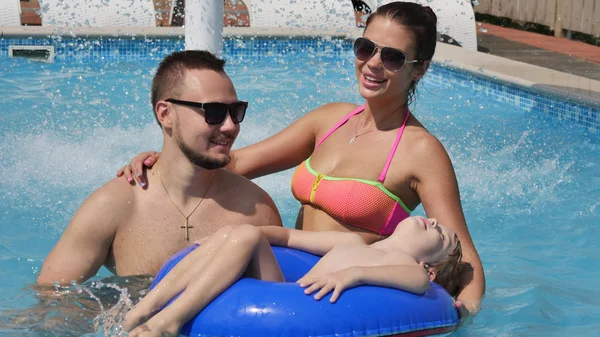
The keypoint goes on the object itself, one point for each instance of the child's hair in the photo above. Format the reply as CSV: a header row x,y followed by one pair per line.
x,y
447,272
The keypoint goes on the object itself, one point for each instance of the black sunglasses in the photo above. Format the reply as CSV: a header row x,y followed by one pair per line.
x,y
215,113
392,59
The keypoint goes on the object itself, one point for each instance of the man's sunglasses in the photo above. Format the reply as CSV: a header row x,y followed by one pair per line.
x,y
392,59
215,113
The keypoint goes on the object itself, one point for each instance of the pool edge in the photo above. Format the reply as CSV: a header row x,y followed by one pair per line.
x,y
573,88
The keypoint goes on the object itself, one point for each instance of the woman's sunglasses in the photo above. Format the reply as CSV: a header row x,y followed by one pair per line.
x,y
392,59
215,113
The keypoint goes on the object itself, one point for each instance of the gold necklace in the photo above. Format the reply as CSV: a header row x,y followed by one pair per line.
x,y
185,226
356,134
362,133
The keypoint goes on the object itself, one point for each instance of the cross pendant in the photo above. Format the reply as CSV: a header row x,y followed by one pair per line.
x,y
186,235
352,140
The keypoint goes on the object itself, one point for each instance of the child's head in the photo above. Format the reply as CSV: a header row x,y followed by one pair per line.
x,y
447,272
434,246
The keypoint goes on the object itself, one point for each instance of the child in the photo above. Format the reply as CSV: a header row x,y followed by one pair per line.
x,y
418,251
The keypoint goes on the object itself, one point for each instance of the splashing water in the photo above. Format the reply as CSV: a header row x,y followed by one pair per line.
x,y
110,322
529,183
74,310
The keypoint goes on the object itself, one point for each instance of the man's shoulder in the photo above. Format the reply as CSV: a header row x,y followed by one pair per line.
x,y
243,186
116,192
249,199
109,205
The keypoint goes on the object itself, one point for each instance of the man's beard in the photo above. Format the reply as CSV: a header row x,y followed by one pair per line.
x,y
204,161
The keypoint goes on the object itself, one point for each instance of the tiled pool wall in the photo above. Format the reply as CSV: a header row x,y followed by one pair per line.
x,y
524,98
134,49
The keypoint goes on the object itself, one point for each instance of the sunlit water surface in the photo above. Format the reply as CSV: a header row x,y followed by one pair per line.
x,y
530,184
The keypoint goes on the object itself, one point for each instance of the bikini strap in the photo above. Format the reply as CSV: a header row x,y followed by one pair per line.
x,y
394,147
359,109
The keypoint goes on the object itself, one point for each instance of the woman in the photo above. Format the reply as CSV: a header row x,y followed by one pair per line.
x,y
364,169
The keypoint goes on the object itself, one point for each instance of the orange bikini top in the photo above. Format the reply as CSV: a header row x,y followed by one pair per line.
x,y
357,202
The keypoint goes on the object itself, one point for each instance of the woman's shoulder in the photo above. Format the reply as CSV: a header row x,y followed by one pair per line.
x,y
334,110
424,145
326,116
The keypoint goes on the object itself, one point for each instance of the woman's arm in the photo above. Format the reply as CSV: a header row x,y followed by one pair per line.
x,y
282,151
289,147
437,188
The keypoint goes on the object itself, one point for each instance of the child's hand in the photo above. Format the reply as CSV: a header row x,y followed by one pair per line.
x,y
337,281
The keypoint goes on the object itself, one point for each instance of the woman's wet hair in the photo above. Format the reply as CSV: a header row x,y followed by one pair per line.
x,y
420,20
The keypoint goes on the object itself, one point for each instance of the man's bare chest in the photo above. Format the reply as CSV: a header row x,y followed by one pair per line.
x,y
144,244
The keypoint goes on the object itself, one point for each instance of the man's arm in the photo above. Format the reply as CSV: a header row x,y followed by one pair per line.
x,y
273,218
85,243
318,243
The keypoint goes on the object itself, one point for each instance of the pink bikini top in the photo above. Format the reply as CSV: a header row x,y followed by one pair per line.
x,y
357,202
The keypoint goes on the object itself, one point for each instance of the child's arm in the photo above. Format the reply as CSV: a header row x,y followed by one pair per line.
x,y
411,278
318,243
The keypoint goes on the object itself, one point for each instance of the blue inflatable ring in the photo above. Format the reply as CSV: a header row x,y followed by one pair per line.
x,y
254,308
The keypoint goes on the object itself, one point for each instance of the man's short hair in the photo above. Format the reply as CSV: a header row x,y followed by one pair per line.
x,y
171,70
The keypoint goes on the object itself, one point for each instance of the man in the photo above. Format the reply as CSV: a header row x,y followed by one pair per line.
x,y
190,195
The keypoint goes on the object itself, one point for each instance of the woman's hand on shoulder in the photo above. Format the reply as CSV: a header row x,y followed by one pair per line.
x,y
136,169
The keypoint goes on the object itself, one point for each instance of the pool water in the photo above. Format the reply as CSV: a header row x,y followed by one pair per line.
x,y
530,183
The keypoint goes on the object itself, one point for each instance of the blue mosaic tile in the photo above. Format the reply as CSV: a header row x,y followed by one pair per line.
x,y
135,48
528,99
128,49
